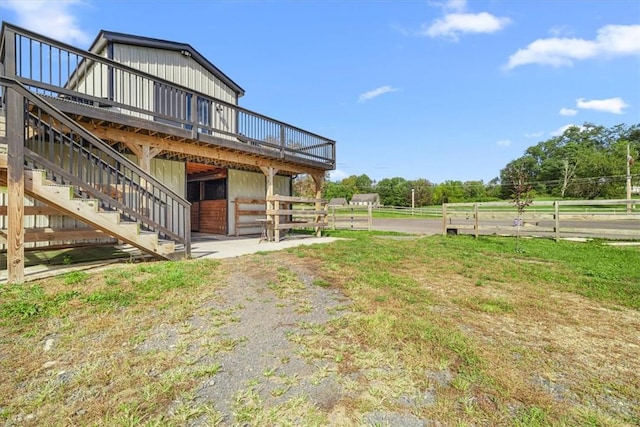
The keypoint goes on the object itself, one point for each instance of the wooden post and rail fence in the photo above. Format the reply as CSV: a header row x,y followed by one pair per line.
x,y
288,212
277,213
351,217
557,219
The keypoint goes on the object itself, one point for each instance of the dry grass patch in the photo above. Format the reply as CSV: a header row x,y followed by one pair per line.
x,y
472,333
363,331
94,354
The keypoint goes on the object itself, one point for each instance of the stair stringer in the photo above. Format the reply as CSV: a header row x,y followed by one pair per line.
x,y
87,211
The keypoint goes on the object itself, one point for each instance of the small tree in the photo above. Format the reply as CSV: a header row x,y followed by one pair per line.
x,y
522,196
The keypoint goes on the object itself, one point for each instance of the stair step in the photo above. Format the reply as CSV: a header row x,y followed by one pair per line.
x,y
87,210
166,247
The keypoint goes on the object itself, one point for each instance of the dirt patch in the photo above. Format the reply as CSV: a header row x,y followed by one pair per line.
x,y
261,315
272,339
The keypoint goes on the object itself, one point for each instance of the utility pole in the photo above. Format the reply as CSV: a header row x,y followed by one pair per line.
x,y
413,200
628,178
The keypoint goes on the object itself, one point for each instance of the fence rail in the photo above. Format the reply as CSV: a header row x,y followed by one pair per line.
x,y
557,219
351,218
289,212
249,214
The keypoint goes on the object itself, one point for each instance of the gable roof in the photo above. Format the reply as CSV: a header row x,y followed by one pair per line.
x,y
186,49
365,198
338,201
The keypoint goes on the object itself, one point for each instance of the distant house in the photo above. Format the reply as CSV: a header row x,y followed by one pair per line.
x,y
337,202
370,199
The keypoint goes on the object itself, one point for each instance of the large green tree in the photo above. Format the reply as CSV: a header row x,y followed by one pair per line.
x,y
394,191
584,162
448,192
423,192
347,187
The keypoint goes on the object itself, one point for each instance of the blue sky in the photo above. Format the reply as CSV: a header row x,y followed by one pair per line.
x,y
418,89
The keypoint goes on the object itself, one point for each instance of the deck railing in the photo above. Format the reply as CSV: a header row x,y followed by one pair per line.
x,y
72,156
63,72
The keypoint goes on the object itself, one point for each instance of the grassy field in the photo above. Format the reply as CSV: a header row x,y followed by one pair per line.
x,y
445,329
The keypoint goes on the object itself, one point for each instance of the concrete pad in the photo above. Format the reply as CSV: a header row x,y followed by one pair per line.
x,y
231,248
203,246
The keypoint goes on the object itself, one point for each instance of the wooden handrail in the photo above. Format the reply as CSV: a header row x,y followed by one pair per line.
x,y
85,146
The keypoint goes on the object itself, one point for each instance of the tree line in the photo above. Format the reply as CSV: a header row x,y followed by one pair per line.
x,y
584,162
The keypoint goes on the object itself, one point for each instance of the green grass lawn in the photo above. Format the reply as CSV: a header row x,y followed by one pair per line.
x,y
457,330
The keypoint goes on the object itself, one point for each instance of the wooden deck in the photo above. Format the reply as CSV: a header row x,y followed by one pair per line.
x,y
129,108
174,143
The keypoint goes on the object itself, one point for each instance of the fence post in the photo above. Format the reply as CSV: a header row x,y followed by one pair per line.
x,y
370,219
276,221
444,219
333,217
556,208
351,219
475,214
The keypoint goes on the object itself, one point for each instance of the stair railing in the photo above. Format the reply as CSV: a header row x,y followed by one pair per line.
x,y
71,155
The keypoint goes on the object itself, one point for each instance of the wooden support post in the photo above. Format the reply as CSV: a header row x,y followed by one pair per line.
x,y
370,219
144,152
319,180
15,186
270,172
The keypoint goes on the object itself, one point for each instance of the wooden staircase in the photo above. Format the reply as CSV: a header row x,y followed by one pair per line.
x,y
87,210
76,174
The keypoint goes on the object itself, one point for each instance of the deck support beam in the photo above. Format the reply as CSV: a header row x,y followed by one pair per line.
x,y
15,186
210,152
144,152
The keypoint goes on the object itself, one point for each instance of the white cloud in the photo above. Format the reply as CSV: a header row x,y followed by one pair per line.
x,y
455,5
534,134
503,143
375,93
457,21
453,25
49,17
611,41
611,105
568,112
